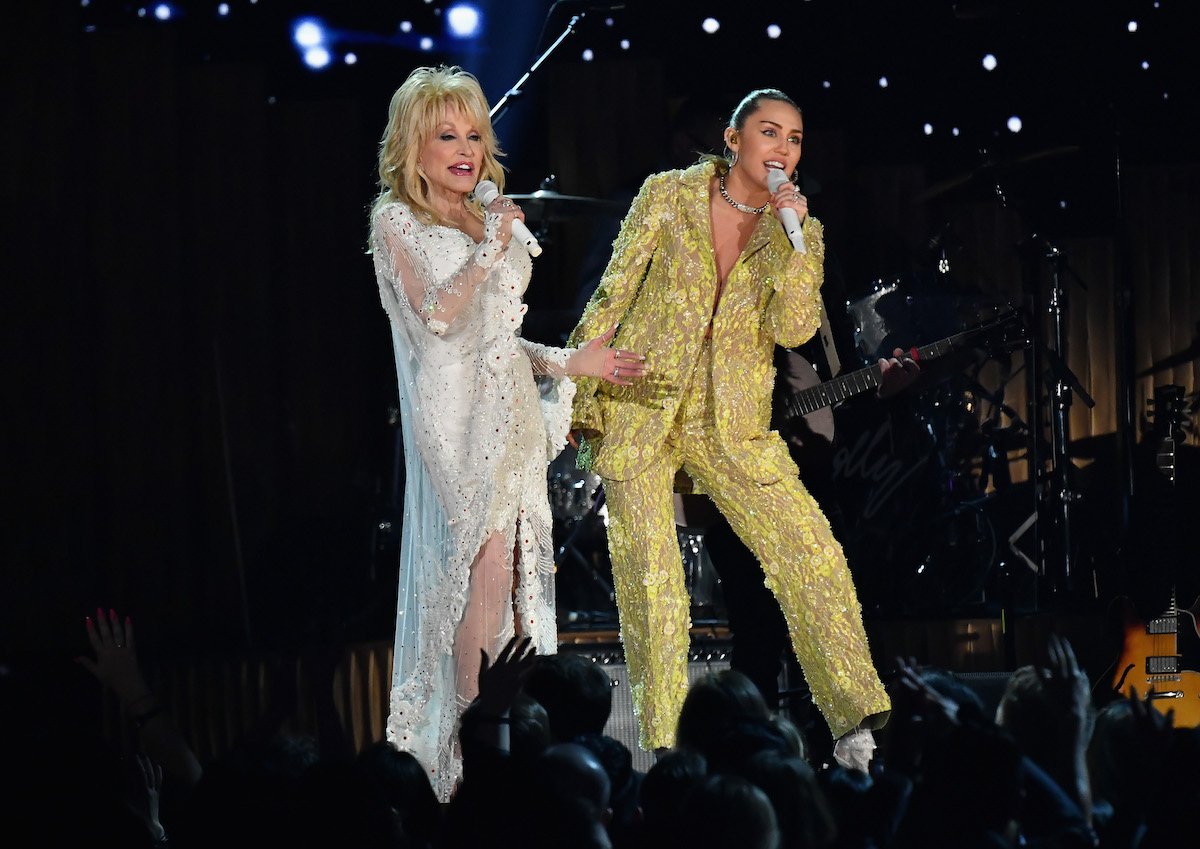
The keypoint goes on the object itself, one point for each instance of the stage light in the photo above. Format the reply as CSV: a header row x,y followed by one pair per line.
x,y
928,128
1145,65
1014,124
163,12
954,131
883,82
426,43
223,9
989,62
1062,204
463,21
308,32
84,3
608,22
710,25
350,58
826,84
773,31
141,13
406,26
588,55
1132,26
316,57
624,43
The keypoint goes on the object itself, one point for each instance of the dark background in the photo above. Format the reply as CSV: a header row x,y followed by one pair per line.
x,y
198,373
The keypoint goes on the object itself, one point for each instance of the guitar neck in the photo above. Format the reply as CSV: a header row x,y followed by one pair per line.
x,y
856,382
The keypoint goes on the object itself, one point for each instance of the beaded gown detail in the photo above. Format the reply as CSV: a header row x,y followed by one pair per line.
x,y
482,411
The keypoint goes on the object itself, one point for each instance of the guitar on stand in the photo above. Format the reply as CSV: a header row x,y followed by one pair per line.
x,y
1160,657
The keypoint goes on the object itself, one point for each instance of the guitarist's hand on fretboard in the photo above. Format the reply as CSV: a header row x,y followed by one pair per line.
x,y
896,373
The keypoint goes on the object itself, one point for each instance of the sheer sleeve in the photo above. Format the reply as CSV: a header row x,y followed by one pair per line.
x,y
557,391
546,360
402,246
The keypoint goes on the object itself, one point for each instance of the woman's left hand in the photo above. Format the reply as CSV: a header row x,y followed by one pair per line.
x,y
789,197
613,365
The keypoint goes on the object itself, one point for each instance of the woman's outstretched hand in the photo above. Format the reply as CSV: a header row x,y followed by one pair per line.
x,y
613,365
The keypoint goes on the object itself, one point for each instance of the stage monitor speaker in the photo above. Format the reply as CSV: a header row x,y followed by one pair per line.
x,y
702,659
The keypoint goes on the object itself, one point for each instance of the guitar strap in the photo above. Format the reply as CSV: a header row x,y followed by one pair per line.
x,y
826,333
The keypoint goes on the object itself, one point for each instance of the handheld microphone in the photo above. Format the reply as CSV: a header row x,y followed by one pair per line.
x,y
787,215
486,191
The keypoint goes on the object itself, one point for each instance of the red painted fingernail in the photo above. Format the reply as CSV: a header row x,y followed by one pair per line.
x,y
88,621
112,614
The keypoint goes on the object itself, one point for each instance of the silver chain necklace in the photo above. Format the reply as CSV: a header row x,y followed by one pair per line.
x,y
740,207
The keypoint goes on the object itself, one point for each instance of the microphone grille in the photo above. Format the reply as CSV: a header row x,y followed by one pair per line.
x,y
486,191
775,179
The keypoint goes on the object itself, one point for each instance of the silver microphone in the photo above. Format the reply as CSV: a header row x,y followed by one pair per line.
x,y
791,221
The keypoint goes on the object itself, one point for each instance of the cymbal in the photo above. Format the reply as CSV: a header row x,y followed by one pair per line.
x,y
991,168
549,205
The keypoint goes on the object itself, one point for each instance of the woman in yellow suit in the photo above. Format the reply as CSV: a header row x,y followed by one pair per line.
x,y
705,281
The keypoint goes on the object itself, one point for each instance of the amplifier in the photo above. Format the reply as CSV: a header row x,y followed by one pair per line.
x,y
703,657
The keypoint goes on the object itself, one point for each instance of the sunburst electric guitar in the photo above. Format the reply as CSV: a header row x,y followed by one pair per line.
x,y
1159,657
1153,658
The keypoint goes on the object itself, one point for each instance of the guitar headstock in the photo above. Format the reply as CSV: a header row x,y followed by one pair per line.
x,y
1168,412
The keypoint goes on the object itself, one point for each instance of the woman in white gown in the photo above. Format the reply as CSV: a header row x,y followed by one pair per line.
x,y
476,549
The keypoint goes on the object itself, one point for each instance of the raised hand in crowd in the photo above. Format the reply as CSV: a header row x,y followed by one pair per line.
x,y
145,788
116,666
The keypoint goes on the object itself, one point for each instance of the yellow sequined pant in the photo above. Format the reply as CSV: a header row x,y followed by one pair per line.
x,y
784,527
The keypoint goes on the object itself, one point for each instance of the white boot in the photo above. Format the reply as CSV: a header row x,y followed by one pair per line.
x,y
854,749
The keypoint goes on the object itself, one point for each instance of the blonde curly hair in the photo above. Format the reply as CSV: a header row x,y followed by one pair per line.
x,y
414,113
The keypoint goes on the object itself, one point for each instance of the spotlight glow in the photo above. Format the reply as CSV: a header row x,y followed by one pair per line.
x,y
316,57
350,58
954,131
406,26
1132,26
608,22
826,84
773,31
426,43
928,128
588,55
883,82
141,13
989,62
710,25
223,9
1145,65
624,43
463,20
308,33
163,12
1014,124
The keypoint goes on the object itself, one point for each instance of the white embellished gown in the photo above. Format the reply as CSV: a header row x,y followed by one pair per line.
x,y
478,436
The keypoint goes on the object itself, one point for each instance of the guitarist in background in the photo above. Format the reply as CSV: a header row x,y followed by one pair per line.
x,y
759,633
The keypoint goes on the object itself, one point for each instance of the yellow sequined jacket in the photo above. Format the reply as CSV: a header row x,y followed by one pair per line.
x,y
659,287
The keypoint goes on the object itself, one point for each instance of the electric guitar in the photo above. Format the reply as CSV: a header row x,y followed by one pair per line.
x,y
1155,655
812,402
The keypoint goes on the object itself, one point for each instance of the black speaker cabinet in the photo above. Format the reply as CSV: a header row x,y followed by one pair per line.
x,y
702,659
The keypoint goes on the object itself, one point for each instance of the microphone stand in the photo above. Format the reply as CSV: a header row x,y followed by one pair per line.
x,y
1065,386
501,106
